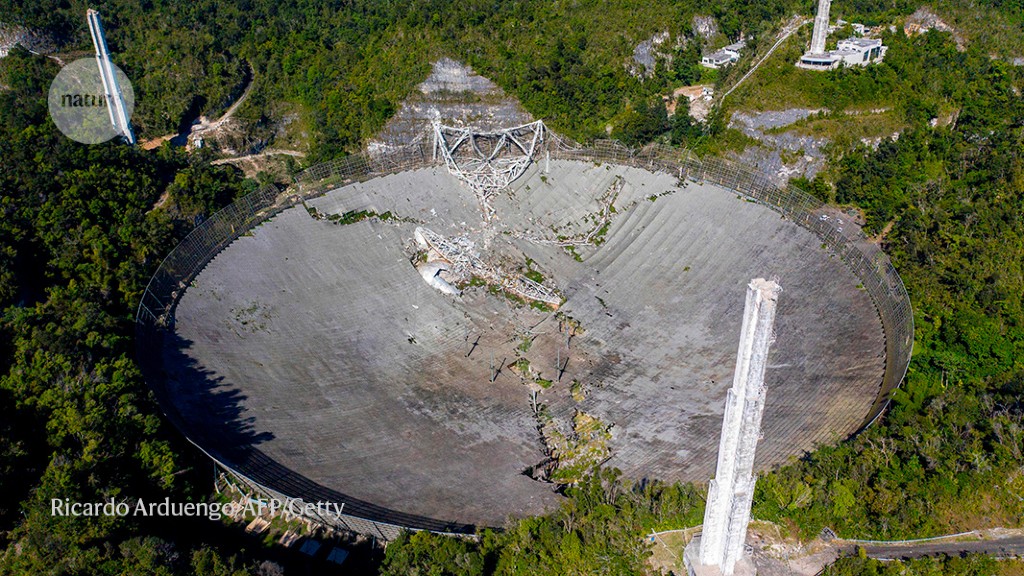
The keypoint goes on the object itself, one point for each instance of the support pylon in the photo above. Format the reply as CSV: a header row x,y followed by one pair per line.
x,y
731,492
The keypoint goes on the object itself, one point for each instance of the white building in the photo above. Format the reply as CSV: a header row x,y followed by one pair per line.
x,y
723,57
861,51
849,52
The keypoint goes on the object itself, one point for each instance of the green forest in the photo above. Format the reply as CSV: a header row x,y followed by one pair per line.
x,y
967,566
80,236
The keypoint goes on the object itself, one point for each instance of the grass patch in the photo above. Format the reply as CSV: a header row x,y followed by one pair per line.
x,y
599,236
708,76
350,217
730,140
577,392
353,216
497,291
523,366
574,253
532,273
846,129
576,454
541,306
779,85
524,346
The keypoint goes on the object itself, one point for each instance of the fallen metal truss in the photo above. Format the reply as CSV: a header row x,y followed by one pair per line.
x,y
465,262
488,161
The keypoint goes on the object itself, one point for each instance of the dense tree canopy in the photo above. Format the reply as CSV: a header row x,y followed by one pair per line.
x,y
79,238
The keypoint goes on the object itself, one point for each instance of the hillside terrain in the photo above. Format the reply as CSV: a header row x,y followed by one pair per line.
x,y
925,147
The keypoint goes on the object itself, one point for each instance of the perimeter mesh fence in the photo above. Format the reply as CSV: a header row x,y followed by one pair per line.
x,y
864,258
155,320
155,315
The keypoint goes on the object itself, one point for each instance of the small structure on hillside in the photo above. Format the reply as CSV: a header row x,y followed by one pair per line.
x,y
723,57
849,52
698,94
700,99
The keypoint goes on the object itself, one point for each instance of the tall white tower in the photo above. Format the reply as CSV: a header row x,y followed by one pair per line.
x,y
820,28
119,116
732,491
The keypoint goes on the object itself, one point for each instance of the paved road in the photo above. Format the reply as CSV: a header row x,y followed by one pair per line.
x,y
1001,547
998,542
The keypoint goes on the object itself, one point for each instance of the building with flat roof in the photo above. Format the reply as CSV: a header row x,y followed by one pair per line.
x,y
849,52
719,59
723,57
861,45
861,51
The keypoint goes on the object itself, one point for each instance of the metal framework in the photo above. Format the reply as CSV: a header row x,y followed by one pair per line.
x,y
155,315
487,161
466,263
732,490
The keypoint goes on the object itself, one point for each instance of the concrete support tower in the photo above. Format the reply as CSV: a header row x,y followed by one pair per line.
x,y
108,74
732,490
820,28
